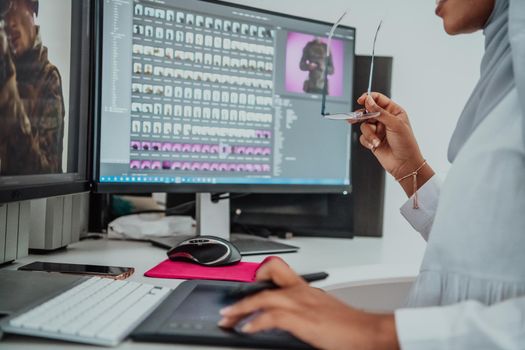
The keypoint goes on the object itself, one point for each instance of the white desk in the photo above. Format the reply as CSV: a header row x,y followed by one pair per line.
x,y
356,262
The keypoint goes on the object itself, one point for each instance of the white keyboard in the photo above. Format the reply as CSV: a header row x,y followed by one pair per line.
x,y
98,311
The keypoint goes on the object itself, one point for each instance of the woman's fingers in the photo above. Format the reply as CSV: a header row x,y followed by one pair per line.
x,y
297,323
385,117
361,99
366,143
266,300
386,103
263,300
381,131
369,131
391,112
383,101
277,271
278,319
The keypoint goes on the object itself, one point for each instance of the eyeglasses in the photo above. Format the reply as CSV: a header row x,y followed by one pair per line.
x,y
358,115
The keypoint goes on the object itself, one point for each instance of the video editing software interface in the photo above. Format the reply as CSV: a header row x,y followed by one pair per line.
x,y
204,93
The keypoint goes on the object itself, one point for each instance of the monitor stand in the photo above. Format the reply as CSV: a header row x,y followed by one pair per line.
x,y
213,218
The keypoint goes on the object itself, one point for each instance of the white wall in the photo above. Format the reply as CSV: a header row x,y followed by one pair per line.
x,y
433,73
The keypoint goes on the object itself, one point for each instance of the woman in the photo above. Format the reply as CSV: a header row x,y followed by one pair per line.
x,y
471,290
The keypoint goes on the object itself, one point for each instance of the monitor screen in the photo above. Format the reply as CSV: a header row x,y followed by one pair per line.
x,y
44,86
198,95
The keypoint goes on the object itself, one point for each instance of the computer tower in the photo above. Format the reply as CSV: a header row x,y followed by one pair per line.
x,y
58,221
14,230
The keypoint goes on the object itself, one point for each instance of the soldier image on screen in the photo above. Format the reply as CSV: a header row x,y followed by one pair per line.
x,y
31,100
313,61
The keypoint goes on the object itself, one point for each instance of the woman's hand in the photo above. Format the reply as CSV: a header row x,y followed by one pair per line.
x,y
309,314
392,141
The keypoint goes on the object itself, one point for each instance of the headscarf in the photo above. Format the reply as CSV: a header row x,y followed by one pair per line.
x,y
502,69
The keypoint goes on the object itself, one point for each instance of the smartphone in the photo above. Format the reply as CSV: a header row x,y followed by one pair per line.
x,y
115,272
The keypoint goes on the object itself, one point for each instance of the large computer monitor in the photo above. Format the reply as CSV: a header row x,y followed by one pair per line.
x,y
210,96
207,96
44,97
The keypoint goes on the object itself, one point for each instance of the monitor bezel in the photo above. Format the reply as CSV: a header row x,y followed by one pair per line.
x,y
127,187
50,185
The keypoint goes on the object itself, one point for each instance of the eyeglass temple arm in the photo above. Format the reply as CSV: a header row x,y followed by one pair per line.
x,y
327,61
369,91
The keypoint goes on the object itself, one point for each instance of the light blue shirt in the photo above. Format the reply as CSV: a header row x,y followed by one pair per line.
x,y
470,293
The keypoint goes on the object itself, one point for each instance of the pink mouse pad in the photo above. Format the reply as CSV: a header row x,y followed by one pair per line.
x,y
240,272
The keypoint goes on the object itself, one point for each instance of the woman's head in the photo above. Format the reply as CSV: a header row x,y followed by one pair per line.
x,y
464,16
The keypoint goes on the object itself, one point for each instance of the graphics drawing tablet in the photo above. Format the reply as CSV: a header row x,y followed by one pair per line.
x,y
190,315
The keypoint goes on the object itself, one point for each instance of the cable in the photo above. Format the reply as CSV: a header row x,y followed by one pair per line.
x,y
183,208
221,196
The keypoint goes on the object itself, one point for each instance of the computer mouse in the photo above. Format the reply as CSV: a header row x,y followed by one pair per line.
x,y
205,250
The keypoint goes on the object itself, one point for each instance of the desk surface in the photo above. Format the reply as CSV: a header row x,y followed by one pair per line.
x,y
357,261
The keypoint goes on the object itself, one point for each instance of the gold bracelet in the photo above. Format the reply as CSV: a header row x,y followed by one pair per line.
x,y
414,175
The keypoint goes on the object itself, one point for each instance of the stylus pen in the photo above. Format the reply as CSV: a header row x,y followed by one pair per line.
x,y
253,288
